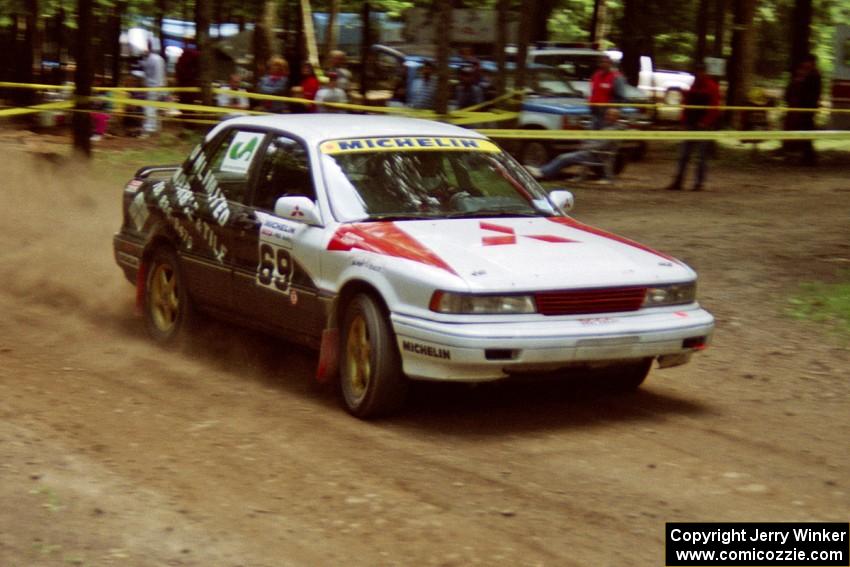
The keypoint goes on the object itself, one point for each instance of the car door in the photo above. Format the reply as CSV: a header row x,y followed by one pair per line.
x,y
274,271
215,189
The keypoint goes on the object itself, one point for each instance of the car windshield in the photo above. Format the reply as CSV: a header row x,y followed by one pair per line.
x,y
403,178
551,82
546,81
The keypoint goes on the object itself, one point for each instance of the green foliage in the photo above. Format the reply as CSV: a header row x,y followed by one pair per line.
x,y
827,303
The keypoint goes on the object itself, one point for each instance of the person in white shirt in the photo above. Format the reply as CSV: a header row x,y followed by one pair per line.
x,y
338,65
154,69
331,92
233,99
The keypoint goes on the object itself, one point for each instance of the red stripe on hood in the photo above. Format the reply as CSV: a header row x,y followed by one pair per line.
x,y
572,223
387,239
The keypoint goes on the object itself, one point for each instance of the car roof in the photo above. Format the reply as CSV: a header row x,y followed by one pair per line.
x,y
316,128
567,51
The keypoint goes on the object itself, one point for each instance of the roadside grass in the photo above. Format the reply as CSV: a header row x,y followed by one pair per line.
x,y
120,164
825,303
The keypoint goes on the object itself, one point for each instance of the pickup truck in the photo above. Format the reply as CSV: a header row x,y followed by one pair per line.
x,y
659,84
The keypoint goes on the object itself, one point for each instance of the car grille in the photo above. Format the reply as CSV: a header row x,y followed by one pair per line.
x,y
586,301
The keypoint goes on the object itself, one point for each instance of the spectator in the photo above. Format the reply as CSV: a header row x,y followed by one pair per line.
x,y
275,82
703,92
187,71
468,92
100,114
606,85
424,89
331,92
591,152
233,99
131,115
470,60
154,69
309,85
803,91
339,66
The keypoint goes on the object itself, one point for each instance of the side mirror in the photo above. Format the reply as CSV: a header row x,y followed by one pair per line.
x,y
562,199
300,209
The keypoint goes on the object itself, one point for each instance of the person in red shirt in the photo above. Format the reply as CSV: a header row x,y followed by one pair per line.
x,y
309,85
703,93
606,85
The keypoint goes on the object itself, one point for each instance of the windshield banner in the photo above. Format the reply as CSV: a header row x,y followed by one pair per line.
x,y
407,143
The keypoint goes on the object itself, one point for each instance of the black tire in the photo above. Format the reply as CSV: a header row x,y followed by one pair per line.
x,y
371,383
167,307
534,153
628,377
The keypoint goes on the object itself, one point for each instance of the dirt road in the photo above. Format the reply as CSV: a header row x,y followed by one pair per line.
x,y
116,452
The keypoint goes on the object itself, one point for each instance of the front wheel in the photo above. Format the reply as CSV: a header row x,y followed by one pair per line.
x,y
167,308
370,378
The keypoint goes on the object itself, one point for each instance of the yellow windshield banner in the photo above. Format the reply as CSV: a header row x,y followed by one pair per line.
x,y
408,144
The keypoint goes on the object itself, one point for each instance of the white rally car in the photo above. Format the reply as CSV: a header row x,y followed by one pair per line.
x,y
401,249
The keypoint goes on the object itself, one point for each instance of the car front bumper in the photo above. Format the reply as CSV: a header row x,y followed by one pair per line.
x,y
473,352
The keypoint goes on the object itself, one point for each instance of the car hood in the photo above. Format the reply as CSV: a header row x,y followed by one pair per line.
x,y
556,105
505,254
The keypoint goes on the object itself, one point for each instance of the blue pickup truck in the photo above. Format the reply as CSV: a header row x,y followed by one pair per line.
x,y
551,102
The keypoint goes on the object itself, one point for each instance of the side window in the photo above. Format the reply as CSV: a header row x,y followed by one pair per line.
x,y
284,172
230,165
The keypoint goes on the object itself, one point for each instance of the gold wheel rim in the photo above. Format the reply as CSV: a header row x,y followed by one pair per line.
x,y
359,366
164,303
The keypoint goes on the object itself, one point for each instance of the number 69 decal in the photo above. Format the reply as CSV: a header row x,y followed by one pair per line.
x,y
275,267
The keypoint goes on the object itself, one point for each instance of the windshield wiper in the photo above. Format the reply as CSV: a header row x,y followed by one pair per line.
x,y
399,217
493,213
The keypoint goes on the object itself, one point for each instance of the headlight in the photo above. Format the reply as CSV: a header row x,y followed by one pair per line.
x,y
675,294
447,302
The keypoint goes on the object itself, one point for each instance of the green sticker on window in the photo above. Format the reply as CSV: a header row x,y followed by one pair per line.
x,y
241,152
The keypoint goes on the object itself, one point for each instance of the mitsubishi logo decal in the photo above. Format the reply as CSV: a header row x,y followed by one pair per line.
x,y
507,235
296,212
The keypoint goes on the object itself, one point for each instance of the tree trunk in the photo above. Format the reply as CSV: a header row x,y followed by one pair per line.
x,y
502,8
598,14
330,31
83,78
702,32
270,23
743,52
540,20
160,16
801,28
442,39
202,37
115,29
27,53
527,17
631,33
365,42
719,27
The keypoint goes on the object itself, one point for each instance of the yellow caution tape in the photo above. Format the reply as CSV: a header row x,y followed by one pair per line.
x,y
670,135
60,105
424,113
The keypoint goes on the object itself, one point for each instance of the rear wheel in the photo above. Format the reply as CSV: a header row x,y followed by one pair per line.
x,y
370,378
167,308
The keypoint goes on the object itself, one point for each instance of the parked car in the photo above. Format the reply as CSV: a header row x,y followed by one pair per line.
x,y
403,250
579,64
551,102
